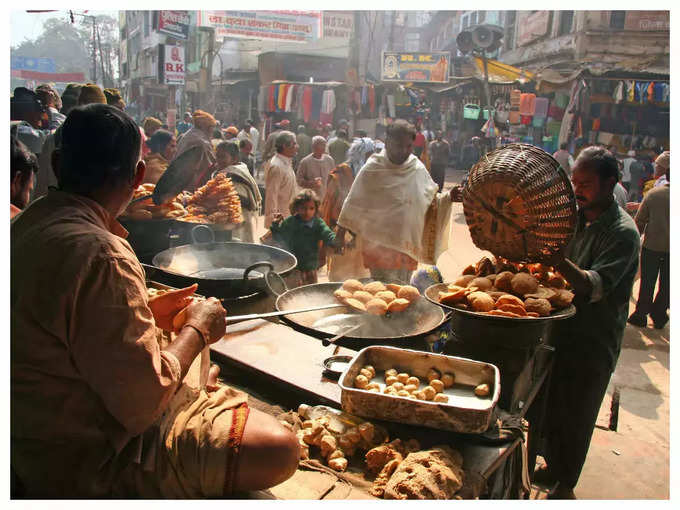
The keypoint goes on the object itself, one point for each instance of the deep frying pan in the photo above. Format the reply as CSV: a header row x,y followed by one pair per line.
x,y
229,269
419,319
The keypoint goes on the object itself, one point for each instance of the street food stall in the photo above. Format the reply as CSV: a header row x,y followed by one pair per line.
x,y
347,365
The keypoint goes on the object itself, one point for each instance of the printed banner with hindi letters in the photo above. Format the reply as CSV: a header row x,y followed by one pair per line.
x,y
289,26
423,67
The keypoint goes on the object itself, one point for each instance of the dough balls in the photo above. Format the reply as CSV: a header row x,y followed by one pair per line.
x,y
376,307
386,295
390,380
448,379
393,287
509,299
440,397
342,294
398,305
403,393
391,371
481,301
524,283
363,296
414,381
409,293
374,287
482,390
462,281
366,373
352,285
403,377
356,304
481,283
433,373
437,385
411,388
503,281
562,298
360,381
373,389
371,369
398,385
454,297
420,395
540,306
429,392
555,281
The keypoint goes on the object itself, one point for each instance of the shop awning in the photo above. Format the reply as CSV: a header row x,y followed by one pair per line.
x,y
630,68
501,73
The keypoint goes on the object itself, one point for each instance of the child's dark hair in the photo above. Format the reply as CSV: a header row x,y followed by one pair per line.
x,y
304,196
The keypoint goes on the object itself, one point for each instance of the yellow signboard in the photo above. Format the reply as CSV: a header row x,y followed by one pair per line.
x,y
416,67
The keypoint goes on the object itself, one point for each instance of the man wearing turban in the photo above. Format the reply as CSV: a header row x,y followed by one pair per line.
x,y
199,136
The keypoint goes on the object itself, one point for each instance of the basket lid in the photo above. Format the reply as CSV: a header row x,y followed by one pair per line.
x,y
519,204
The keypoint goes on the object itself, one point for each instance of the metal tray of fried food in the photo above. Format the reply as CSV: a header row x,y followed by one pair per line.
x,y
463,413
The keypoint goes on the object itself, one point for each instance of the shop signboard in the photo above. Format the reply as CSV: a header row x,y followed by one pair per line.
x,y
174,23
172,65
338,25
288,26
42,64
422,67
532,26
647,21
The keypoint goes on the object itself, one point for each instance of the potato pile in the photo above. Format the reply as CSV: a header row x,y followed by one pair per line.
x,y
147,210
377,298
335,448
216,202
508,290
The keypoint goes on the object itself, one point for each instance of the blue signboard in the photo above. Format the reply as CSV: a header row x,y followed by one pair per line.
x,y
44,65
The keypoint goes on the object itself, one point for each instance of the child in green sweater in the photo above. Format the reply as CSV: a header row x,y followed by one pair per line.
x,y
301,233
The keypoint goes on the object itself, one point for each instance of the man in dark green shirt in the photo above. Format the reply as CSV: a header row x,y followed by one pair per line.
x,y
600,263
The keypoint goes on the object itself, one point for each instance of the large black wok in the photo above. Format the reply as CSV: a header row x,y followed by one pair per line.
x,y
226,270
402,329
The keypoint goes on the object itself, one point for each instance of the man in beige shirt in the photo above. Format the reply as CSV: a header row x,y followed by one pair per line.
x,y
313,170
280,186
98,408
653,220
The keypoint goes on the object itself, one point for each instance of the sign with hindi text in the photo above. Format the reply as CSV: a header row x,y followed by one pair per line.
x,y
172,65
289,26
174,23
423,67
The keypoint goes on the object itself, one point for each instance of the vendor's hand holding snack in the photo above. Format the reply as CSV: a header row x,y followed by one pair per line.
x,y
207,316
513,290
377,298
167,305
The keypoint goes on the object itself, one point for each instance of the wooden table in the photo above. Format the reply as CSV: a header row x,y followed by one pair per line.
x,y
276,357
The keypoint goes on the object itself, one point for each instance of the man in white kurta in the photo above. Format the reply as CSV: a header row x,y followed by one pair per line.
x,y
394,207
280,183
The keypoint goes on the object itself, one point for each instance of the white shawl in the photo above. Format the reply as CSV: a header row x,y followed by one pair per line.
x,y
388,204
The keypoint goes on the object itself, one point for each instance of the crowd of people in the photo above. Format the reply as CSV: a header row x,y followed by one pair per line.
x,y
99,407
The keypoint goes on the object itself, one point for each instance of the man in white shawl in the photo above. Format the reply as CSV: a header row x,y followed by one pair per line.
x,y
228,163
394,207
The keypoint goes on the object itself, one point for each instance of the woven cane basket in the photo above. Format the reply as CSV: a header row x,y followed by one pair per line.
x,y
519,204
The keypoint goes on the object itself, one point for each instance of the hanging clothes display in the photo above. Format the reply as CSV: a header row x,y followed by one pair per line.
x,y
289,97
327,106
317,97
262,99
561,100
307,98
371,98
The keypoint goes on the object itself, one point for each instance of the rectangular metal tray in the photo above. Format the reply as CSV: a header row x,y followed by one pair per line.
x,y
464,412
